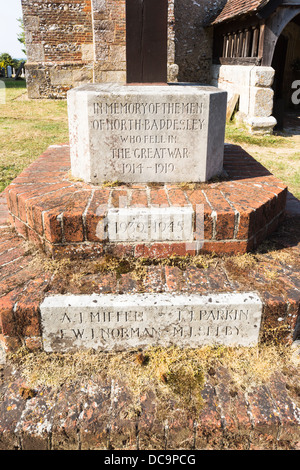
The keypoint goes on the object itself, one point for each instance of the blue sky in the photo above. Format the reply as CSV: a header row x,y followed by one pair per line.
x,y
9,28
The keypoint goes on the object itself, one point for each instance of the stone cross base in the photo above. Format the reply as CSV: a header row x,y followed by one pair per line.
x,y
145,134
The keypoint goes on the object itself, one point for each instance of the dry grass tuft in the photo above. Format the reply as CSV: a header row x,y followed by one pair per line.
x,y
176,376
65,268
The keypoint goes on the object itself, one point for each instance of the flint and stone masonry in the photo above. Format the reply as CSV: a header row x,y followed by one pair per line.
x,y
69,43
145,134
118,322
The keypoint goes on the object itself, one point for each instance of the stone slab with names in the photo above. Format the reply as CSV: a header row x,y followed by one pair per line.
x,y
120,322
141,134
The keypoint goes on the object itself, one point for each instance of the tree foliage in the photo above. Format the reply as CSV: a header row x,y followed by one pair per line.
x,y
21,35
6,60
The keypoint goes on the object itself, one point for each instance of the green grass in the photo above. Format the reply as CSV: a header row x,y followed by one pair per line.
x,y
278,153
238,134
27,128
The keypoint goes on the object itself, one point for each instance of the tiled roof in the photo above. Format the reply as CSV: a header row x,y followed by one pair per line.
x,y
234,8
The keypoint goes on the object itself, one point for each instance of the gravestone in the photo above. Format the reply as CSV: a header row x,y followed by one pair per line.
x,y
19,71
142,132
2,92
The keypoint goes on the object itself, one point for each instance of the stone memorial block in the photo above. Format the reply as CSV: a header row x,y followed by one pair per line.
x,y
141,134
120,322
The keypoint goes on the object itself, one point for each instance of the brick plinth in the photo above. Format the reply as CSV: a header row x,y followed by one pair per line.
x,y
44,205
26,278
65,217
264,417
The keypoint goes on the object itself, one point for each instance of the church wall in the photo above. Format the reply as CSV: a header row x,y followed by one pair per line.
x,y
59,45
80,41
194,38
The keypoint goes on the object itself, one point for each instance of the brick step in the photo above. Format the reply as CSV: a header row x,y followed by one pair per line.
x,y
67,217
98,416
28,276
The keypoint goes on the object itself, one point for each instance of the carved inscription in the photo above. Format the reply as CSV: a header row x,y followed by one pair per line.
x,y
148,137
127,321
92,324
146,134
148,224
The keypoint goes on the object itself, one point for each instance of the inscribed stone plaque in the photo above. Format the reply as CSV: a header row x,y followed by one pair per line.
x,y
119,322
150,224
142,134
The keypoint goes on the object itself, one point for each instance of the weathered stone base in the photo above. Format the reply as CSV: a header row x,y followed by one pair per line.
x,y
162,133
262,125
65,217
121,322
231,418
253,84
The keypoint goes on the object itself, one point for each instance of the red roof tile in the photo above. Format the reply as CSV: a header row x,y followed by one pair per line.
x,y
234,8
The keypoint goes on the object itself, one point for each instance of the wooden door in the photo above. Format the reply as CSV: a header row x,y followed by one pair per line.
x,y
146,41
